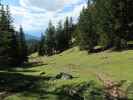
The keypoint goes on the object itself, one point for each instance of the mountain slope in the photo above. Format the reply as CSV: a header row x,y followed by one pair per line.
x,y
31,37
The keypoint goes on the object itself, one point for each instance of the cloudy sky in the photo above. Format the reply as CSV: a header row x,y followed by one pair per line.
x,y
34,15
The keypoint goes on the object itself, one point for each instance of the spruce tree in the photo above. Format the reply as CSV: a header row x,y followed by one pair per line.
x,y
86,25
60,38
67,33
22,47
113,22
42,46
50,39
72,27
8,44
15,51
105,22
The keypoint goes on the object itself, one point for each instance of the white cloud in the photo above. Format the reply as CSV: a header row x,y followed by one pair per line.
x,y
51,5
34,15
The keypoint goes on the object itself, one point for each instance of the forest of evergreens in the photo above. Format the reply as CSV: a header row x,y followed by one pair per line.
x,y
104,23
13,48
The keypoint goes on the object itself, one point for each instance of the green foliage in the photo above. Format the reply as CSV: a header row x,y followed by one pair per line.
x,y
42,46
32,45
60,38
57,39
118,65
86,25
8,44
113,22
13,49
82,91
68,29
22,47
105,22
50,39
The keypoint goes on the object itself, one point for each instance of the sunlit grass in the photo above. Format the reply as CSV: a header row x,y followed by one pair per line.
x,y
83,66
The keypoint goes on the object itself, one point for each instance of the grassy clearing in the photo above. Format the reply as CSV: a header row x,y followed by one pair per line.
x,y
116,65
80,64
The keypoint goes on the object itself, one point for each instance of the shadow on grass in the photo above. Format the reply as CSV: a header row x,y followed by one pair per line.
x,y
29,85
34,64
101,49
38,86
12,81
18,83
130,46
24,66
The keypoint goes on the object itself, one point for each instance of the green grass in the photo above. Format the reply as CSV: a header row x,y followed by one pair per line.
x,y
116,65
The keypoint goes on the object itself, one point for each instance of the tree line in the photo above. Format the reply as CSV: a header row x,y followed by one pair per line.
x,y
104,23
109,23
57,39
13,48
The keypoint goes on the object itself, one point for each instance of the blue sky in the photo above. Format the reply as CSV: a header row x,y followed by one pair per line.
x,y
34,15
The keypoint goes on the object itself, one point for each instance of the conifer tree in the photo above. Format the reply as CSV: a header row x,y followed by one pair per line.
x,y
15,51
86,25
67,33
42,46
112,22
8,48
60,38
105,25
50,39
130,19
22,46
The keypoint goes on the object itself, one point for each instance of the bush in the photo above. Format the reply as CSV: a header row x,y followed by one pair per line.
x,y
83,91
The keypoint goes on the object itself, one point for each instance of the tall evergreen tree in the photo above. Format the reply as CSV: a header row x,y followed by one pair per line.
x,y
42,46
8,44
86,25
67,31
60,38
72,27
15,51
112,22
22,47
105,25
50,39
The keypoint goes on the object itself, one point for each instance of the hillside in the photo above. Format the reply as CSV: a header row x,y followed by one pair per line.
x,y
84,67
77,61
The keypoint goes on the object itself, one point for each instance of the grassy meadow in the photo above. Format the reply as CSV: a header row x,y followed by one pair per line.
x,y
84,67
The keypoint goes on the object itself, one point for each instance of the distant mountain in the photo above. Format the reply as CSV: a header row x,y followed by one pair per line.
x,y
32,43
31,37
